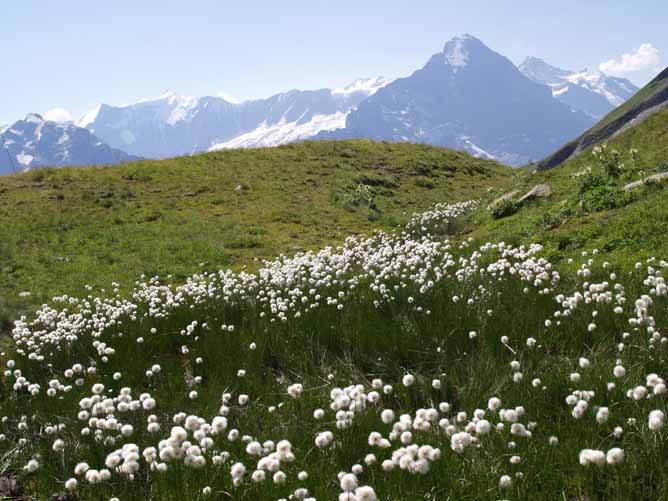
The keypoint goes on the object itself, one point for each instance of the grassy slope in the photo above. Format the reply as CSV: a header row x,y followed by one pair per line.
x,y
64,228
653,93
628,233
359,342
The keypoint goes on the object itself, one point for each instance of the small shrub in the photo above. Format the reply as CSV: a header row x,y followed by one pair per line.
x,y
152,216
376,180
617,165
505,208
554,219
374,215
243,242
605,197
127,193
551,220
610,160
136,176
362,196
424,182
38,175
347,153
588,180
422,170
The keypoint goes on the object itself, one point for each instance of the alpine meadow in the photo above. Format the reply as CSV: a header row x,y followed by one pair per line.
x,y
450,285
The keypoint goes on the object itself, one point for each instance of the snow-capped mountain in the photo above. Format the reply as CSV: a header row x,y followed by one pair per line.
x,y
35,142
173,125
590,91
284,132
472,98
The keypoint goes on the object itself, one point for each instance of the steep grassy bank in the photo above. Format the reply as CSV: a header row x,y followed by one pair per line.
x,y
625,231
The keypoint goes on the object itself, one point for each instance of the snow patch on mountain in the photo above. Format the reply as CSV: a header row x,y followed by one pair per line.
x,y
559,91
88,117
58,115
128,137
591,91
230,99
474,149
180,108
24,159
368,86
456,53
284,132
597,81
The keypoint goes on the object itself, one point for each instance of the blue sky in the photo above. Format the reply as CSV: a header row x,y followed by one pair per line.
x,y
74,54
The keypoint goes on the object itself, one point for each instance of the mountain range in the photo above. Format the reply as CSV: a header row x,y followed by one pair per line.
x,y
472,98
590,91
35,142
172,125
465,97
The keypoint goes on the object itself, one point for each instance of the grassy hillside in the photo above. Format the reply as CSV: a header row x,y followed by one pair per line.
x,y
398,368
634,229
61,229
650,98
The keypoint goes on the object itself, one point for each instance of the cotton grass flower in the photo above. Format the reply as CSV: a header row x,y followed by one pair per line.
x,y
592,456
656,420
505,482
615,456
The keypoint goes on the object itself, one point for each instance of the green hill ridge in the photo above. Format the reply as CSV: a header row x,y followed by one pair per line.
x,y
65,228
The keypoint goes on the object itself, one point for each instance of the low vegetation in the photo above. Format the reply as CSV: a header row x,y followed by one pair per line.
x,y
396,367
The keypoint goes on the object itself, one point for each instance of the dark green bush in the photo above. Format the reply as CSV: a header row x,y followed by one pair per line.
x,y
605,197
589,180
424,182
551,220
505,208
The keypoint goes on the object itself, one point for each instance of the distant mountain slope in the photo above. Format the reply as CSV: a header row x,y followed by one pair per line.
x,y
472,98
173,125
35,142
649,100
592,92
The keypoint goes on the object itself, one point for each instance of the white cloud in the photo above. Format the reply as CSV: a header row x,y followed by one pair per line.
x,y
58,115
645,58
228,98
